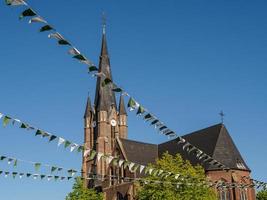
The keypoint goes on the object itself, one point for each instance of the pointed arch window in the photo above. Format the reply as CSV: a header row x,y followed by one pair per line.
x,y
243,194
224,192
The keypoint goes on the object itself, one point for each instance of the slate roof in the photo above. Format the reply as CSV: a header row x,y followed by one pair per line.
x,y
214,141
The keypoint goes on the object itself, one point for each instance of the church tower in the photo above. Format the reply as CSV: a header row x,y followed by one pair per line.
x,y
104,122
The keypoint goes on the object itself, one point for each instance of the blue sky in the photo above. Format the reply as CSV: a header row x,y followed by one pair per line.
x,y
183,60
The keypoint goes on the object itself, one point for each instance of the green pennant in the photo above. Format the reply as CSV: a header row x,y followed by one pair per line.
x,y
37,166
163,127
117,89
28,175
67,143
131,103
43,176
147,116
126,164
46,28
63,42
14,174
106,81
80,148
6,120
53,169
69,177
15,163
92,68
140,110
27,13
136,167
79,57
52,137
2,157
1,172
38,132
23,125
7,173
45,134
154,122
59,169
115,162
92,155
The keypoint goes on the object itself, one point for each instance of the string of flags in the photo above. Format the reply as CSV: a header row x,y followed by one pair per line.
x,y
132,103
37,165
7,119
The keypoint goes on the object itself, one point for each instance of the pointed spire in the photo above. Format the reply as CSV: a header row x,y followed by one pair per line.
x,y
122,110
105,96
88,108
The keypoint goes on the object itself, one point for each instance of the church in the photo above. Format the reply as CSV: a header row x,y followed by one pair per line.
x,y
105,130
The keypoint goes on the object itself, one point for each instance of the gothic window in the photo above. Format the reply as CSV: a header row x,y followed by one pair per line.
x,y
223,192
243,194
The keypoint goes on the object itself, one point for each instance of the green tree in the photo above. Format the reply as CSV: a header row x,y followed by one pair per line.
x,y
262,195
187,188
79,192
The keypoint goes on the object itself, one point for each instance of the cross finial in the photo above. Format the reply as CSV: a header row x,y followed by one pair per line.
x,y
222,116
104,22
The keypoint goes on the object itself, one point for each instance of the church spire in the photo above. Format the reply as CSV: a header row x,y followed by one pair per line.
x,y
105,97
88,108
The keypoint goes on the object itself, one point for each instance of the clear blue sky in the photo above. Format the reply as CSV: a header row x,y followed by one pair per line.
x,y
183,60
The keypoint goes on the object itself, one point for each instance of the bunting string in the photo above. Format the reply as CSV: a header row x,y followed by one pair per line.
x,y
147,116
132,103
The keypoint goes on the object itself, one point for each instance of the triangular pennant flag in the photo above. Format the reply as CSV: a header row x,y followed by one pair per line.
x,y
37,19
2,157
10,160
92,155
106,81
72,172
60,141
38,132
37,166
59,169
180,140
115,161
27,13
177,176
72,147
15,2
154,122
67,143
86,152
42,176
56,178
14,174
117,89
92,68
63,42
140,110
150,171
53,168
1,115
52,137
45,134
21,175
99,156
56,36
6,174
46,28
131,104
131,166
6,120
62,178
73,51
121,162
35,176
23,125
28,175
148,117
1,172
49,177
15,163
142,167
109,159
69,178
80,57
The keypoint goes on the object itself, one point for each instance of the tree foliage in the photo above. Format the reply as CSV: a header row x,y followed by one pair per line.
x,y
262,195
79,192
188,189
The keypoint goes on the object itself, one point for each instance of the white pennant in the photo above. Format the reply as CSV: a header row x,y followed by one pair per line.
x,y
109,159
1,115
150,171
17,2
56,36
142,167
86,152
60,141
99,156
160,172
35,176
120,162
37,19
131,166
73,146
177,176
74,51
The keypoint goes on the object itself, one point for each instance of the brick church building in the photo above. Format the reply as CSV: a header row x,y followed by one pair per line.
x,y
105,130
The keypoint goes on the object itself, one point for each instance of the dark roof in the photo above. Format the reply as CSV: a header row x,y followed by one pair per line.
x,y
215,141
122,110
139,152
88,108
104,96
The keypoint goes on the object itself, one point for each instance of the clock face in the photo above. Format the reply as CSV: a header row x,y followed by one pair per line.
x,y
113,122
94,124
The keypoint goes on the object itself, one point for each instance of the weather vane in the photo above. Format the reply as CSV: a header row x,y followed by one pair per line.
x,y
104,22
222,116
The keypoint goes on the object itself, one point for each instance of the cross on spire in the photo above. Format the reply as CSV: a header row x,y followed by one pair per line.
x,y
222,116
